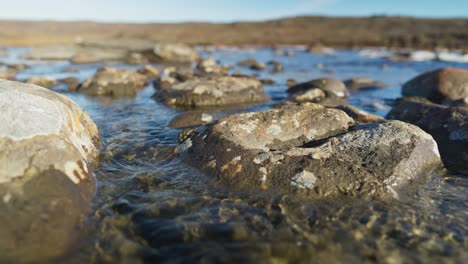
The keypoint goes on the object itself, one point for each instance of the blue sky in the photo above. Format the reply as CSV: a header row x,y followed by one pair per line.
x,y
220,11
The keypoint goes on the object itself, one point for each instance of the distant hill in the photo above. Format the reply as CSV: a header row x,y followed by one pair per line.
x,y
398,32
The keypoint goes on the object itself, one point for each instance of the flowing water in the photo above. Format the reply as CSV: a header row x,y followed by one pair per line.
x,y
151,207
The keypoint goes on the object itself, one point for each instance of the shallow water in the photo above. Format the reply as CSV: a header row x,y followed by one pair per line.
x,y
151,207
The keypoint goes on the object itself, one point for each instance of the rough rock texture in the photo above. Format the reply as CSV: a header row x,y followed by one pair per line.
x,y
446,84
316,89
113,82
215,91
175,52
309,148
361,83
190,119
47,144
360,116
448,126
42,81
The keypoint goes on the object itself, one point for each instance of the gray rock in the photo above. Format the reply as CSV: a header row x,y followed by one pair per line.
x,y
175,53
361,83
442,85
448,126
331,87
190,119
43,81
47,146
216,91
359,115
310,149
113,82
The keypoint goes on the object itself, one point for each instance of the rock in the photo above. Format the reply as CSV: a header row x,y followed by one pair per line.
x,y
176,53
113,82
312,95
210,66
164,82
136,58
356,84
56,52
70,70
267,81
316,48
72,83
290,82
3,53
216,91
359,116
47,145
46,82
149,71
331,87
446,84
448,126
190,119
310,149
8,74
247,62
276,66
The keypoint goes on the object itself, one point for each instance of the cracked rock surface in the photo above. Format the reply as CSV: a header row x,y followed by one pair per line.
x,y
313,150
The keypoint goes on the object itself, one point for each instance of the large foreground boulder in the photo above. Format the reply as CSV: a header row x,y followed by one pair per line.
x,y
214,91
442,85
47,144
114,82
448,126
311,149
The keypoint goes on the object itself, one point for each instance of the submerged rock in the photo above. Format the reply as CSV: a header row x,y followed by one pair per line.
x,y
113,82
448,126
312,149
332,87
361,83
442,85
46,82
191,119
216,91
47,144
175,52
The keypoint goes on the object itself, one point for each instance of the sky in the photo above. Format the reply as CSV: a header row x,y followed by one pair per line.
x,y
221,10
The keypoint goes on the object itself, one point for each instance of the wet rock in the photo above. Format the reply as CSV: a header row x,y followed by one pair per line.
x,y
267,81
311,149
446,84
312,95
331,87
291,82
56,52
71,82
164,82
210,66
175,52
316,48
216,91
448,126
276,66
47,144
149,71
190,119
46,82
113,82
359,116
361,83
247,62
